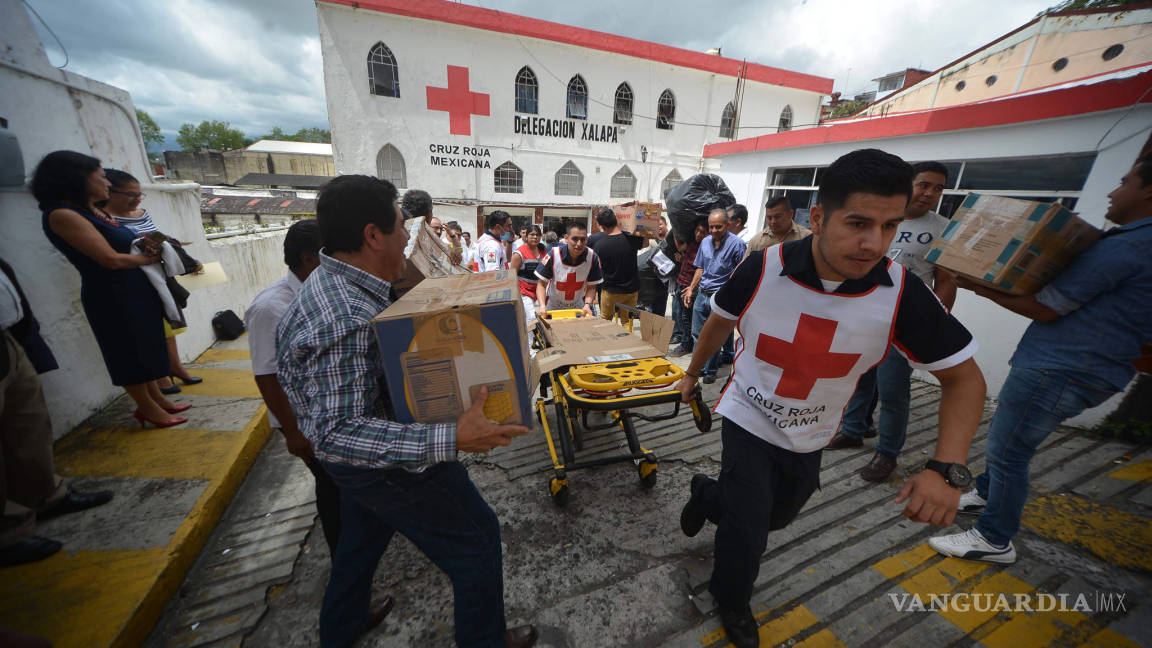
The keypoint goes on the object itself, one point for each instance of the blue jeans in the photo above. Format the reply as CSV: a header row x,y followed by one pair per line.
x,y
1032,403
444,515
701,310
893,380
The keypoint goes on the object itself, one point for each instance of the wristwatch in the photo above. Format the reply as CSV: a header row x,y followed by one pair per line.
x,y
955,474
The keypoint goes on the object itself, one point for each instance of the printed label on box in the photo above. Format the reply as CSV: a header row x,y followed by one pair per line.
x,y
502,403
610,358
430,385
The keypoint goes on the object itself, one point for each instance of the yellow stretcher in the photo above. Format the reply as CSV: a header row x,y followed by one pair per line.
x,y
617,388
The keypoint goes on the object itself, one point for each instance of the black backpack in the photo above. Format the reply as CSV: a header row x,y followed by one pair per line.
x,y
227,325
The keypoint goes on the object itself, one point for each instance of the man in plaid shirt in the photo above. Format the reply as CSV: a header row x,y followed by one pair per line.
x,y
393,477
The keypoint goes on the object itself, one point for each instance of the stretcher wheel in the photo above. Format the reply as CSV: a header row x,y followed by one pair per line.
x,y
647,470
703,418
558,488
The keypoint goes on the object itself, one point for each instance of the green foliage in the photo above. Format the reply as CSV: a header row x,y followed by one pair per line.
x,y
312,134
210,134
149,131
845,108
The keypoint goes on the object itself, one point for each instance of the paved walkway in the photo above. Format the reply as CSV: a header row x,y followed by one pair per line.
x,y
611,569
122,562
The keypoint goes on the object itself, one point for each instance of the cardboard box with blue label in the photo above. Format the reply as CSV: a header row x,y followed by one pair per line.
x,y
449,336
1015,246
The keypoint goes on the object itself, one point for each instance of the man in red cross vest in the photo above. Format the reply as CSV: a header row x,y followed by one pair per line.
x,y
813,316
568,274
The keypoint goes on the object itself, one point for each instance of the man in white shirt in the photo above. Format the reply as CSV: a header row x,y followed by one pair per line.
x,y
491,253
738,222
893,377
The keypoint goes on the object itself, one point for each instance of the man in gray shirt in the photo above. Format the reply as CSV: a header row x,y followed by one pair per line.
x,y
892,378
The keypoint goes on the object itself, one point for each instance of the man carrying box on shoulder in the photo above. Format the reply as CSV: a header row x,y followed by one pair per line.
x,y
1088,326
393,477
814,315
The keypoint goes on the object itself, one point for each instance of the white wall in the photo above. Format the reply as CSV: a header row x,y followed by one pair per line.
x,y
363,123
48,110
997,330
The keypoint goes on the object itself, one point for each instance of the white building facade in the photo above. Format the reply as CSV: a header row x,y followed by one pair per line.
x,y
479,106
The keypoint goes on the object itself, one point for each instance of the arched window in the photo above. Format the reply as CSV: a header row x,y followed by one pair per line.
x,y
785,120
569,180
728,121
527,91
390,166
508,178
623,184
577,98
383,75
670,180
666,110
622,113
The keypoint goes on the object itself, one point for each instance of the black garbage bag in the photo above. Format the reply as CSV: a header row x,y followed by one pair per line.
x,y
690,201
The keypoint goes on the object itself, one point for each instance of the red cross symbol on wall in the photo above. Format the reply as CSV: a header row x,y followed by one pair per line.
x,y
569,286
806,358
460,102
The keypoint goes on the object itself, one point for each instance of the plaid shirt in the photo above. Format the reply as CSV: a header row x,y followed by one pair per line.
x,y
687,267
327,363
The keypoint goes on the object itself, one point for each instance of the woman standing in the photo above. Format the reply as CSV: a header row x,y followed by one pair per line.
x,y
124,204
524,261
123,309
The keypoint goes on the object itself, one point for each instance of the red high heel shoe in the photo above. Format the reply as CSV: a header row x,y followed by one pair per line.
x,y
177,409
175,420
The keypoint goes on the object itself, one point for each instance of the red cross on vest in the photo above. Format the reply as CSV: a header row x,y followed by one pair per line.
x,y
806,358
569,286
458,100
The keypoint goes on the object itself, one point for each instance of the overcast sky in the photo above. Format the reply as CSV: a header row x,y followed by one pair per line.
x,y
257,63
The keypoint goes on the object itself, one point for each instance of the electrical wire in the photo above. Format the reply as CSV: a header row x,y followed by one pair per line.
x,y
58,42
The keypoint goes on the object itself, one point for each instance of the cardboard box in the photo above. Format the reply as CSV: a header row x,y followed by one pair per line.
x,y
446,338
1015,246
428,256
587,340
640,218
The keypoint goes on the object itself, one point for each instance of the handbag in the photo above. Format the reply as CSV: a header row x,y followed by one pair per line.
x,y
227,325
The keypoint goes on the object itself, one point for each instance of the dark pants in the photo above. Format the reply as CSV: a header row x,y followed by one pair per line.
x,y
444,515
682,317
761,488
327,505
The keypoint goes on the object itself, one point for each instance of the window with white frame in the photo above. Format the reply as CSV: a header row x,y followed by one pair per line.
x,y
383,73
671,180
623,184
622,111
527,91
577,98
390,166
728,121
569,180
785,120
508,178
666,110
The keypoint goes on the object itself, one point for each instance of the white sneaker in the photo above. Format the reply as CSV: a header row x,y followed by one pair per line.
x,y
971,502
971,545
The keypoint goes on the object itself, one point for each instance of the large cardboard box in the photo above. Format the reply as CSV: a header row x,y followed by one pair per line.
x,y
447,337
427,255
588,340
639,218
1015,246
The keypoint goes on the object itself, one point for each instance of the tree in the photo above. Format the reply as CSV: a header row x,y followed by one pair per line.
x,y
311,134
845,108
149,131
210,134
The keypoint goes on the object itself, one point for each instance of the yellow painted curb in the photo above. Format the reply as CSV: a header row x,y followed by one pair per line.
x,y
193,533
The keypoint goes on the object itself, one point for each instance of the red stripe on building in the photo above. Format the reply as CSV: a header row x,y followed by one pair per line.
x,y
1107,95
499,21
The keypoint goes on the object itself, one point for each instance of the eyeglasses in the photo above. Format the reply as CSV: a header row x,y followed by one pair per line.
x,y
132,195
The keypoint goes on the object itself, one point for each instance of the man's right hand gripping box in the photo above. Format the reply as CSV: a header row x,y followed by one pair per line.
x,y
1014,246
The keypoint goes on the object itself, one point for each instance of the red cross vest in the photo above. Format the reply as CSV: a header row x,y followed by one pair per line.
x,y
802,352
566,290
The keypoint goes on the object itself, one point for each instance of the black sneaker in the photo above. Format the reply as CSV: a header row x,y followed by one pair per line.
x,y
692,516
679,352
708,379
878,469
741,627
